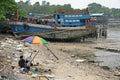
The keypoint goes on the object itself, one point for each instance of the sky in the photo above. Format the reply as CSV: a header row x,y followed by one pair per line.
x,y
80,4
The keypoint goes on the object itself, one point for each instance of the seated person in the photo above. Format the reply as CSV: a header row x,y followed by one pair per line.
x,y
22,63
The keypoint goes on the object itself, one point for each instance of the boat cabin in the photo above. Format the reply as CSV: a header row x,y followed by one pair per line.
x,y
71,18
98,18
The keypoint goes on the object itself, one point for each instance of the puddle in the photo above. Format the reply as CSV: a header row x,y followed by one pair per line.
x,y
109,59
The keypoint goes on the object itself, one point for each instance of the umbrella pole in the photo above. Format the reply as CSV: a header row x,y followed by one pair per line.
x,y
52,52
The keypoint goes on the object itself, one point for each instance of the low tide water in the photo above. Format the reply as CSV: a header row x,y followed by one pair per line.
x,y
110,59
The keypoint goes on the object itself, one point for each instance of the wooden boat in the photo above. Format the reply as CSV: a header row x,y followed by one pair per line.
x,y
62,33
68,25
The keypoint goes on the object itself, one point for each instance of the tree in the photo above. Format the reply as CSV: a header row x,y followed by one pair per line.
x,y
35,8
8,7
94,7
23,9
97,8
67,6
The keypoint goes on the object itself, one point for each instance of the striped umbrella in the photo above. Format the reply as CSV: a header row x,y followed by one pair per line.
x,y
35,40
38,40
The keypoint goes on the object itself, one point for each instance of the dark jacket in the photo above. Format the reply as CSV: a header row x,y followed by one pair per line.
x,y
22,63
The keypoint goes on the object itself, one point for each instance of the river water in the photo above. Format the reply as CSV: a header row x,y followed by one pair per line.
x,y
106,58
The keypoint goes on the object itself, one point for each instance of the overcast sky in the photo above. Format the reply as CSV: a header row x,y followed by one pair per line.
x,y
81,3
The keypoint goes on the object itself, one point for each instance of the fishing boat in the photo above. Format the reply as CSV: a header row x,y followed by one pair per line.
x,y
66,25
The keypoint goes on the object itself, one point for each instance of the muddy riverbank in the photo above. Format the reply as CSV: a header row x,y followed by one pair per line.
x,y
109,49
72,64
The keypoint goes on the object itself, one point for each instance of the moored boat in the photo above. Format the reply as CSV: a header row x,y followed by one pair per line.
x,y
72,24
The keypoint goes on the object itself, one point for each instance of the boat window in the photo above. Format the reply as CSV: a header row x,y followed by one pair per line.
x,y
74,20
80,15
66,21
66,15
77,15
73,15
70,20
70,15
77,21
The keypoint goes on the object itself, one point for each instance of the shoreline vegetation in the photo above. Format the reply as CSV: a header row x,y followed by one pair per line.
x,y
73,63
8,9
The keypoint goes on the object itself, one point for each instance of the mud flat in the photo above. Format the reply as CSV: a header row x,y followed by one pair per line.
x,y
72,64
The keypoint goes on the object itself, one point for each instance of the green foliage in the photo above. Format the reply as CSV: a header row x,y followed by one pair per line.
x,y
23,8
7,8
2,17
50,9
42,9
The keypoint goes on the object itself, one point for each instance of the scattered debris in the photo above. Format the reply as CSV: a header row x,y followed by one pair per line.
x,y
80,60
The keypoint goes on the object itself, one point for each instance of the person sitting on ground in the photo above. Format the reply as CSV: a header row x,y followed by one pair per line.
x,y
22,62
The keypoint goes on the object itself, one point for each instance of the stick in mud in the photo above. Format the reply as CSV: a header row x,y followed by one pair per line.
x,y
52,52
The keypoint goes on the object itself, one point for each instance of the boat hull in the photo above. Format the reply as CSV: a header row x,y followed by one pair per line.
x,y
61,33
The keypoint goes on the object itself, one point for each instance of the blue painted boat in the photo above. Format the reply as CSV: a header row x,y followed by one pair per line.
x,y
72,24
4,26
